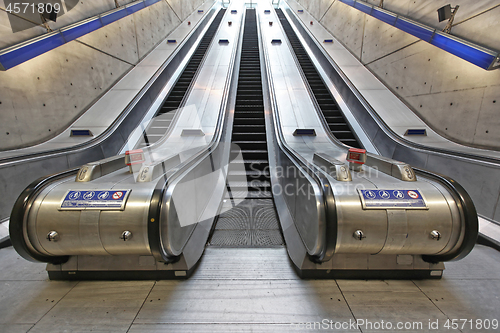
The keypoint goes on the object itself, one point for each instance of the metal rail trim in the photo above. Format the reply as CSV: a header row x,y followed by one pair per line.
x,y
20,53
480,56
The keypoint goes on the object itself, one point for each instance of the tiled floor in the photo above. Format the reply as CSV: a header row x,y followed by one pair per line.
x,y
246,290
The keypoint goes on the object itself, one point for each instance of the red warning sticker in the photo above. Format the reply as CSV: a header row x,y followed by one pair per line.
x,y
413,194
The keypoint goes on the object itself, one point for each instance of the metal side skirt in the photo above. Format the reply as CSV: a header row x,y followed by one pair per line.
x,y
134,267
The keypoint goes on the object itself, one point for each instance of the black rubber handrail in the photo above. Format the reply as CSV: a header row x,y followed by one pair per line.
x,y
156,202
329,237
154,235
18,215
469,214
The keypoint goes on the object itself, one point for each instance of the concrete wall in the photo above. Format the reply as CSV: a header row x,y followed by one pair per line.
x,y
31,23
41,97
459,100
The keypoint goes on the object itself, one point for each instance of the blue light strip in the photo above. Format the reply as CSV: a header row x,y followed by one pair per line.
x,y
364,7
388,18
414,29
32,48
475,54
464,50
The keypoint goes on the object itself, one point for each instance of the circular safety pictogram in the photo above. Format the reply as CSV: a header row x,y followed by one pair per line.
x,y
413,194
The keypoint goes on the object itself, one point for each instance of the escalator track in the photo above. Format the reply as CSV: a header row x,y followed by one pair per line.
x,y
334,117
248,216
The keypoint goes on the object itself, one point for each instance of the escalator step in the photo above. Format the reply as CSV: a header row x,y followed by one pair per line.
x,y
248,218
249,195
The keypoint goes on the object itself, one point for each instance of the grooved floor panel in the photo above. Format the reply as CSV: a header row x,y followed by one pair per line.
x,y
243,290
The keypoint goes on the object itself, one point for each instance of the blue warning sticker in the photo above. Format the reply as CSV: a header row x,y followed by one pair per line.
x,y
395,199
95,199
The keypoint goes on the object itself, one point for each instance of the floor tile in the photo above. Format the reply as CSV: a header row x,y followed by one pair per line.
x,y
481,263
243,301
464,299
74,328
14,267
15,328
25,302
100,303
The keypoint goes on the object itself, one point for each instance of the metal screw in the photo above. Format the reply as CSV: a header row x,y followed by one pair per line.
x,y
435,235
343,171
359,235
53,236
144,173
82,173
126,235
409,172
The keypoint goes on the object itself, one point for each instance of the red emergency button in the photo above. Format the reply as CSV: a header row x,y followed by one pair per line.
x,y
133,157
356,155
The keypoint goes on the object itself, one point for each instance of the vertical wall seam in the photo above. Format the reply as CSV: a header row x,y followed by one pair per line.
x,y
362,38
478,114
173,10
475,15
21,17
388,54
136,39
327,10
106,53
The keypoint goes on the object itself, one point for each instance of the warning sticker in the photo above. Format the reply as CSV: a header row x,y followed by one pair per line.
x,y
395,199
95,199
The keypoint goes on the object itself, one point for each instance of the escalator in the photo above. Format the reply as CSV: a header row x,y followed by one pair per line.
x,y
164,221
334,117
147,207
159,125
248,217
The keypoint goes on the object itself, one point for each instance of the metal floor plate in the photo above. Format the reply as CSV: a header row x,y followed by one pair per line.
x,y
251,223
231,238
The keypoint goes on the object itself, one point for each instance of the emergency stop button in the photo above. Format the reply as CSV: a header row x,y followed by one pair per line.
x,y
134,159
356,158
